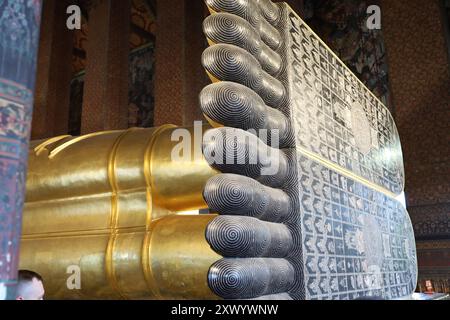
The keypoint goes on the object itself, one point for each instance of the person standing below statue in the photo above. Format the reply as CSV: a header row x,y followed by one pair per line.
x,y
30,286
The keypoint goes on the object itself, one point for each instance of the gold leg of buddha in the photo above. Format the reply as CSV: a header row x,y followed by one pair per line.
x,y
108,204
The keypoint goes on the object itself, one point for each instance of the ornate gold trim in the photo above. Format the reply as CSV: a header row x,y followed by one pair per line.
x,y
57,150
43,146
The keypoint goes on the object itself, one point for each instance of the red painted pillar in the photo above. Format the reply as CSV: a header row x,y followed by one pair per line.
x,y
179,75
105,101
19,40
54,73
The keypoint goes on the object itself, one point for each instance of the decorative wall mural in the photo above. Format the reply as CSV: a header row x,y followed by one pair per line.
x,y
142,42
143,17
80,39
141,95
141,86
76,103
143,30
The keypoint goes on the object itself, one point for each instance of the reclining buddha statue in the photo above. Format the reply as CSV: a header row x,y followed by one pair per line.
x,y
289,192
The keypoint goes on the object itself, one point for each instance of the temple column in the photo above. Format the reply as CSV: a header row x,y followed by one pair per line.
x,y
105,101
179,75
19,40
52,99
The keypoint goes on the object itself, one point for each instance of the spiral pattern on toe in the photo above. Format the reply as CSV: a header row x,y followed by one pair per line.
x,y
232,104
269,35
270,11
270,61
237,238
243,237
231,150
230,29
250,278
261,16
230,63
246,9
230,194
273,91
